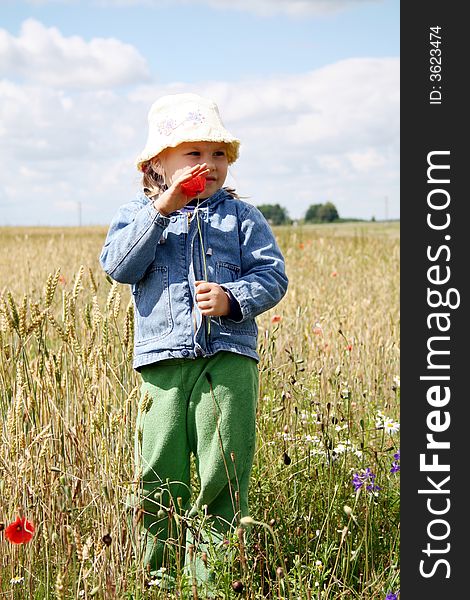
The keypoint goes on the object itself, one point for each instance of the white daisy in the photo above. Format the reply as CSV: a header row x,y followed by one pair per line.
x,y
391,427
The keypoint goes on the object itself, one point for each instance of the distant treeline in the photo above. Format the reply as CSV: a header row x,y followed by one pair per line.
x,y
276,214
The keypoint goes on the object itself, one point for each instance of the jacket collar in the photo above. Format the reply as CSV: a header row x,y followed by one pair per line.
x,y
220,195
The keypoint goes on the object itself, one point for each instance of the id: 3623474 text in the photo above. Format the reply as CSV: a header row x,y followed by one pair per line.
x,y
435,65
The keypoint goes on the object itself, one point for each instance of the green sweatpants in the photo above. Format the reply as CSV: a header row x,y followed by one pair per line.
x,y
207,407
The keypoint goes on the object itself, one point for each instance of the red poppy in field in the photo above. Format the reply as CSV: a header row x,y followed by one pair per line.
x,y
19,532
276,318
334,274
301,246
349,348
194,186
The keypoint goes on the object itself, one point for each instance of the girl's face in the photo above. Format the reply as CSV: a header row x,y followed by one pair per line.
x,y
188,154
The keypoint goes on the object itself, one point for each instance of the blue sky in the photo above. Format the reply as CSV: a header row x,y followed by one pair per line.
x,y
310,86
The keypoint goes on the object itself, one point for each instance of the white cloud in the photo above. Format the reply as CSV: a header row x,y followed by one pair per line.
x,y
292,8
44,56
367,160
327,135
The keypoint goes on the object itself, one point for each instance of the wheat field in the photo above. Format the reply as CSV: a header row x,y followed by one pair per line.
x,y
324,496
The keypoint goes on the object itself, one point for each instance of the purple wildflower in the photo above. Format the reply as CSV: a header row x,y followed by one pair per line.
x,y
366,478
391,596
395,465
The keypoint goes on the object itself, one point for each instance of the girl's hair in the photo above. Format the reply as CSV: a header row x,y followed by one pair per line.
x,y
153,182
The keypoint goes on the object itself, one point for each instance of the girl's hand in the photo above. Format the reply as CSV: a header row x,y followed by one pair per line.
x,y
174,198
211,299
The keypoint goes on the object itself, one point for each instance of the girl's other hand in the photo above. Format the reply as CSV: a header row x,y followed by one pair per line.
x,y
211,299
174,197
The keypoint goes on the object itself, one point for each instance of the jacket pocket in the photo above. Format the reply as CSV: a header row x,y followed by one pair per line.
x,y
154,320
225,273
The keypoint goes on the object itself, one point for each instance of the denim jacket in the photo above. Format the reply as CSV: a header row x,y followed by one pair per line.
x,y
227,241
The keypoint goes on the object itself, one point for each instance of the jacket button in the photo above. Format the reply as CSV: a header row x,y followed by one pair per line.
x,y
185,352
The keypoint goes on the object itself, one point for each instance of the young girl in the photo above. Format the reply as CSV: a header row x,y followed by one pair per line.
x,y
202,264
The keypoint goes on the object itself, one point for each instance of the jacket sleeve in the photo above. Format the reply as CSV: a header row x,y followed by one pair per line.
x,y
132,240
263,281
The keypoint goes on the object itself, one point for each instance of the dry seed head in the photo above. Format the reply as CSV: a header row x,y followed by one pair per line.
x,y
78,545
105,333
4,321
63,336
19,377
77,286
146,402
36,322
65,306
96,422
19,407
71,308
93,281
96,315
129,325
111,296
116,423
59,586
117,305
77,348
103,448
11,422
22,317
13,310
43,450
87,314
51,286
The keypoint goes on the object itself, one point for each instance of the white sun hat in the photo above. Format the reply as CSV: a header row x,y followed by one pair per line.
x,y
178,118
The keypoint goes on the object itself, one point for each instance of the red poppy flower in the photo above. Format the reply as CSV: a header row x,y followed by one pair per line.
x,y
19,532
276,318
194,186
